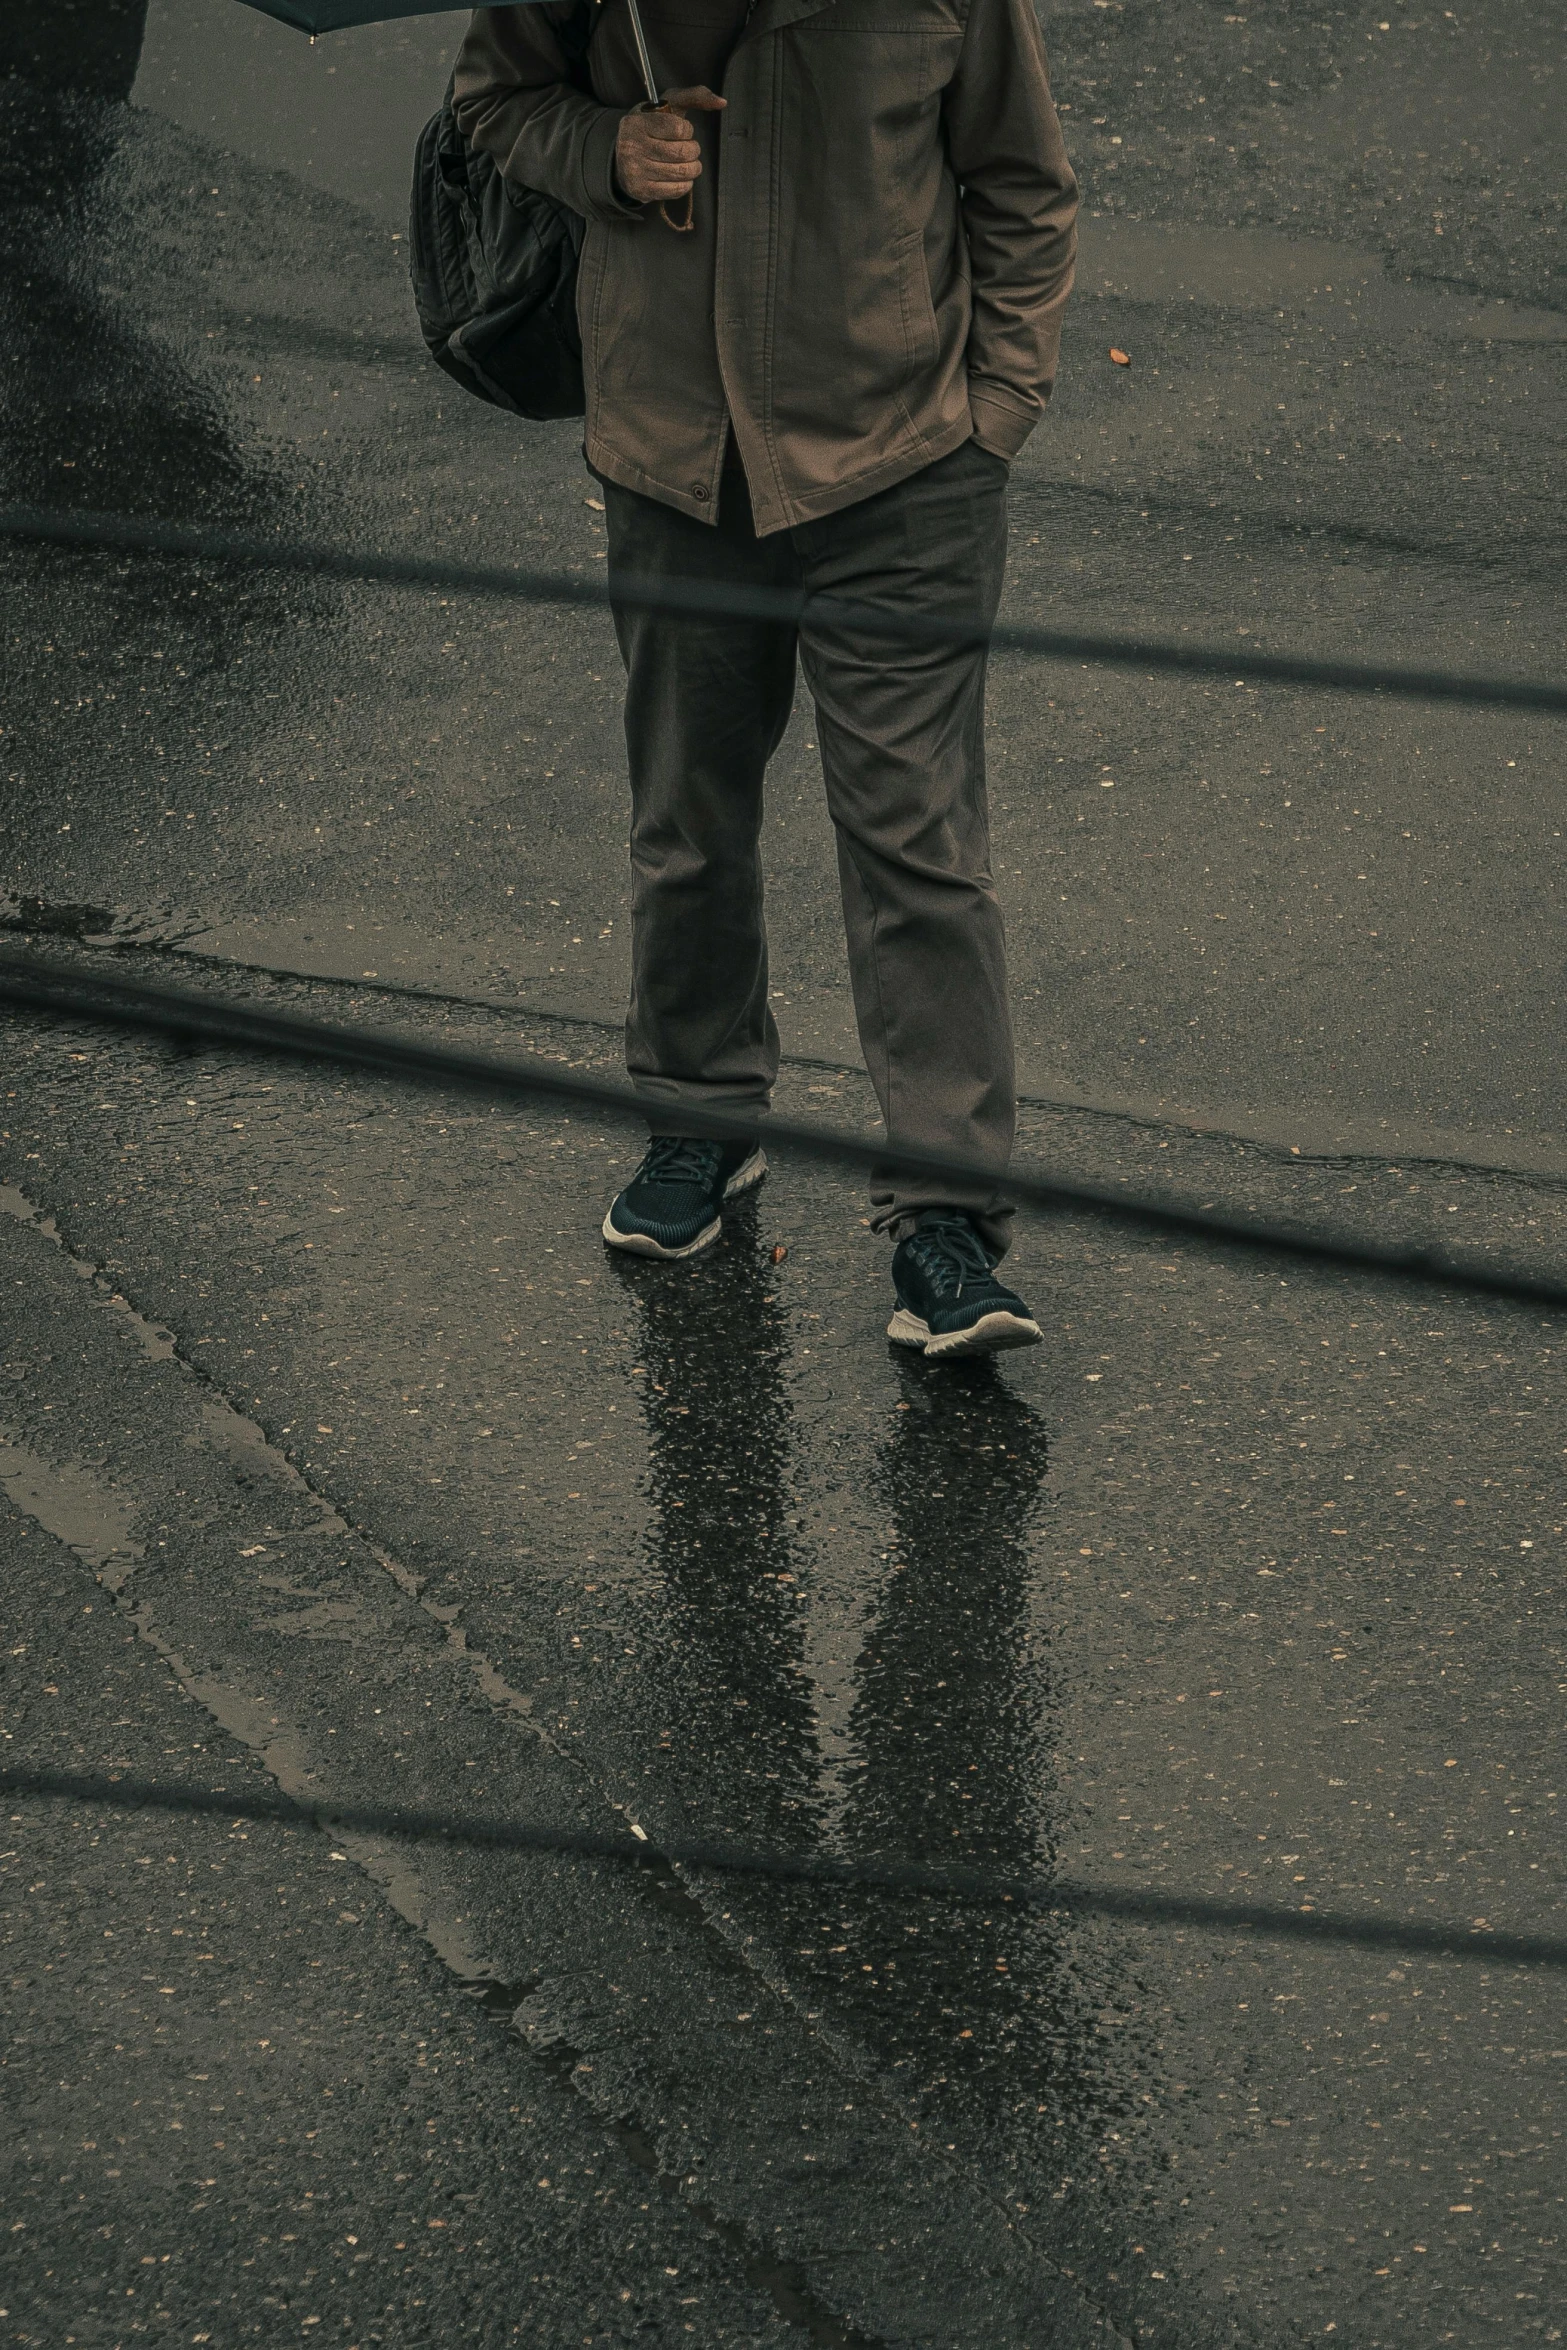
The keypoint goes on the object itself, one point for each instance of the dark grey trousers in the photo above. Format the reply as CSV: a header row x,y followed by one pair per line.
x,y
901,730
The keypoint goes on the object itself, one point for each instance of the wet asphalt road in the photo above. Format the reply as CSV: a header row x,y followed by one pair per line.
x,y
336,1455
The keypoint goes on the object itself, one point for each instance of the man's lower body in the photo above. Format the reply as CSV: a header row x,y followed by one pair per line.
x,y
900,725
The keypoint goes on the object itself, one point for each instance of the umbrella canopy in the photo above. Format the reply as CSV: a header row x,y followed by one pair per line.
x,y
333,16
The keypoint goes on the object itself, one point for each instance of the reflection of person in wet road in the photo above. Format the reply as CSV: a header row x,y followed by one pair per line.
x,y
95,413
100,413
721,1483
63,67
943,1755
947,1714
86,48
819,390
951,1722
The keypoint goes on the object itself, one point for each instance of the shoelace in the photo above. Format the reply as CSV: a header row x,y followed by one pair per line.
x,y
679,1158
951,1252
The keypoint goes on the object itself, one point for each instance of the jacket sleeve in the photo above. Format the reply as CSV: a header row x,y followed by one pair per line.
x,y
511,97
1019,201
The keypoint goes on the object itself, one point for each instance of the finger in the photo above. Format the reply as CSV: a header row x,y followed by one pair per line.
x,y
658,151
670,158
700,97
649,186
665,126
659,191
672,166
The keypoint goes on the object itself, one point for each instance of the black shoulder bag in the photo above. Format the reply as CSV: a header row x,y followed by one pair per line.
x,y
494,264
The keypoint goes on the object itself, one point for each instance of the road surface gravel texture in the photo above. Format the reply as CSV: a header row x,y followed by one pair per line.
x,y
336,1456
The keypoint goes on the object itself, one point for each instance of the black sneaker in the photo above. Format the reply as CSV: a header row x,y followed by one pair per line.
x,y
670,1208
949,1300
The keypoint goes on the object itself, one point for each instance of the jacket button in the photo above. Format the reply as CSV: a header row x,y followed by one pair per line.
x,y
699,490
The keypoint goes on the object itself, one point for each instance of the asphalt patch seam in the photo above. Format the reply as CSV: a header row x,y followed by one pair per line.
x,y
123,933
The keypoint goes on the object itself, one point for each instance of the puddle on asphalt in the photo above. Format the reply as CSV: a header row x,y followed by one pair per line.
x,y
97,926
99,413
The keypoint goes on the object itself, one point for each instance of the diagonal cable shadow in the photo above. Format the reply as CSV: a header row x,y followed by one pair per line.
x,y
33,984
1066,1896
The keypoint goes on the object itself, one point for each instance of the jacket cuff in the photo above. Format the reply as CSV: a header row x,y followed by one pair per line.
x,y
600,187
999,425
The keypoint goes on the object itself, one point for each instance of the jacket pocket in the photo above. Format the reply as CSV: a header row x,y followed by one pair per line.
x,y
590,286
921,332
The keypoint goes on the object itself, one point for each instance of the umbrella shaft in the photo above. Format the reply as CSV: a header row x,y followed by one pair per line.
x,y
642,53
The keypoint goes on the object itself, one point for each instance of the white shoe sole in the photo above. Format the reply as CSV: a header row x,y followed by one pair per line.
x,y
642,1244
993,1334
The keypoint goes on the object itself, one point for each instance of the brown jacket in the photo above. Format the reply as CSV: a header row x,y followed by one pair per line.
x,y
884,240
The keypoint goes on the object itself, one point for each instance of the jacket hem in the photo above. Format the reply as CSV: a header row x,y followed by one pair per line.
x,y
773,514
626,475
